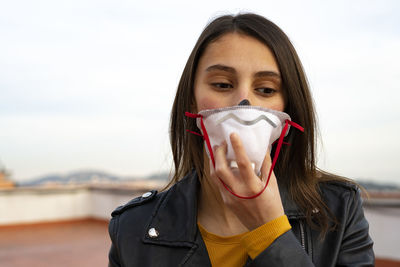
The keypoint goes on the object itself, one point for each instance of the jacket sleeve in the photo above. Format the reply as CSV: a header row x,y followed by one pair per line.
x,y
284,251
113,255
356,248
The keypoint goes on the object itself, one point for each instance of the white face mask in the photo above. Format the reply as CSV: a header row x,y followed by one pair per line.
x,y
257,127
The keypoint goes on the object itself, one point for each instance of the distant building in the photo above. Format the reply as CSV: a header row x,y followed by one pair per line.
x,y
5,182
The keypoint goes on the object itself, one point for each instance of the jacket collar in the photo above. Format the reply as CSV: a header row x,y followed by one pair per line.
x,y
175,215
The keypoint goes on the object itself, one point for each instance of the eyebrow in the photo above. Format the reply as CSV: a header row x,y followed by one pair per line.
x,y
259,74
221,67
267,73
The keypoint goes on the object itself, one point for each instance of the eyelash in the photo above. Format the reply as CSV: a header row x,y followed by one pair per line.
x,y
270,90
228,86
222,86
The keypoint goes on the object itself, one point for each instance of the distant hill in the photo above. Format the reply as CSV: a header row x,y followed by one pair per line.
x,y
164,176
373,186
85,177
95,176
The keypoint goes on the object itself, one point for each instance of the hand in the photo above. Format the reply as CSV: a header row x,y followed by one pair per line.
x,y
243,181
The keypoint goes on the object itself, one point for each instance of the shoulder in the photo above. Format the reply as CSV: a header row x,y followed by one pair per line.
x,y
345,202
146,203
339,186
141,207
138,201
134,216
339,194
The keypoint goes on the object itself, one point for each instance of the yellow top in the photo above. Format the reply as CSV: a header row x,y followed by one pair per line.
x,y
233,250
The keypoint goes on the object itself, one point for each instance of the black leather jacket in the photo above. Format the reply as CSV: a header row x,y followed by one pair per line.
x,y
161,230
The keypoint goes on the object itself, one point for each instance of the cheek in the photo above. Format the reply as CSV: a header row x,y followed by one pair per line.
x,y
275,103
207,102
278,106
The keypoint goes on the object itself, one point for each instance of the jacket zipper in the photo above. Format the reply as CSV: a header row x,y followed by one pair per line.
x,y
302,235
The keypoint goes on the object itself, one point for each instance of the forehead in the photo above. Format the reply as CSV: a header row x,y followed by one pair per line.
x,y
240,51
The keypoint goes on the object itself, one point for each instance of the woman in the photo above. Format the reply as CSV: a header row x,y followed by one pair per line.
x,y
221,215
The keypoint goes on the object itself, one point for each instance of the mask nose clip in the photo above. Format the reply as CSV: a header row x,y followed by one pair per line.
x,y
244,102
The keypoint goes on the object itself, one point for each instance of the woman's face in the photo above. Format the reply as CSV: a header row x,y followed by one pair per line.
x,y
234,68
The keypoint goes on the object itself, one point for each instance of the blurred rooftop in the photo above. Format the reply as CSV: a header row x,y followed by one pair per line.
x,y
66,243
61,226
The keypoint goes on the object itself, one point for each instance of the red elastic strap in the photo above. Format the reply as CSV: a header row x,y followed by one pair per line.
x,y
205,134
285,143
278,149
295,125
194,133
192,115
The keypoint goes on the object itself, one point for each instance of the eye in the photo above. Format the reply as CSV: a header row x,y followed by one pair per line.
x,y
266,91
222,86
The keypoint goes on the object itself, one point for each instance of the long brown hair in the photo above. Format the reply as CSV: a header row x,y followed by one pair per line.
x,y
296,166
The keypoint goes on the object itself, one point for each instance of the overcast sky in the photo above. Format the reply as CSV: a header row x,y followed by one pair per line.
x,y
90,84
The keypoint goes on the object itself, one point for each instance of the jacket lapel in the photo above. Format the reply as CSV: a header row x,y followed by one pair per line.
x,y
175,220
198,256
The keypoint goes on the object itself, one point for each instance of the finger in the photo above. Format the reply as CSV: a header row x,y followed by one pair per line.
x,y
222,169
266,169
242,160
266,166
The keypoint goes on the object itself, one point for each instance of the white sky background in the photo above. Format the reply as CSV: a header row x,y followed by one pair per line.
x,y
90,84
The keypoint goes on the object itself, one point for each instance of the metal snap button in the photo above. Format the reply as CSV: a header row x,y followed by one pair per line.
x,y
153,233
146,195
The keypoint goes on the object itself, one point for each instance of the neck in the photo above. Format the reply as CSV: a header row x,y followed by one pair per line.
x,y
213,214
